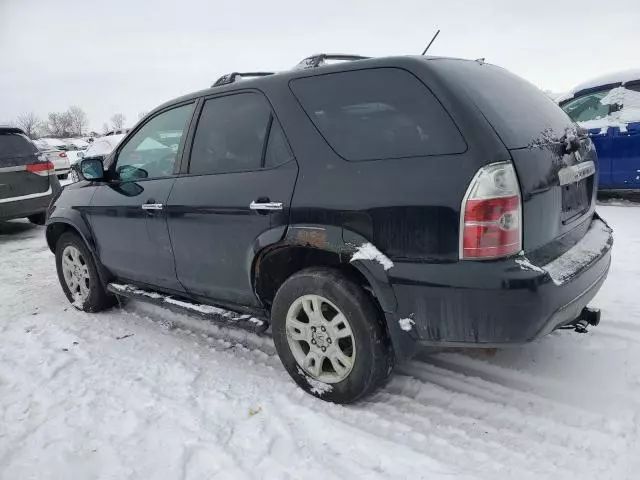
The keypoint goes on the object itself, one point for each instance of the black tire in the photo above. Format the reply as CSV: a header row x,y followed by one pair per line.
x,y
38,218
98,298
374,360
74,175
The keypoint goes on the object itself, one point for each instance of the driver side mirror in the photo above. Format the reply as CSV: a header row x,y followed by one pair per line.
x,y
92,169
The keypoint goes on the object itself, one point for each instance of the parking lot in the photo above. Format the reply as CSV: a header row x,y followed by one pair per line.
x,y
139,392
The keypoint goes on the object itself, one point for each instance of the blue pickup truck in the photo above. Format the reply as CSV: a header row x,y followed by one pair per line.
x,y
609,107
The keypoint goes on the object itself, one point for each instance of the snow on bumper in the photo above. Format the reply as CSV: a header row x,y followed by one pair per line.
x,y
596,241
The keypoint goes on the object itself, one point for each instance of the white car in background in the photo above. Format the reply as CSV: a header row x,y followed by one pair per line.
x,y
57,152
76,143
100,148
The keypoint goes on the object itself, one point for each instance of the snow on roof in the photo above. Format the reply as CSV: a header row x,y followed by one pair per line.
x,y
608,79
103,145
51,142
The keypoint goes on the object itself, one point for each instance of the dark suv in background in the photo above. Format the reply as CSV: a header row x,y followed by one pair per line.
x,y
27,181
361,210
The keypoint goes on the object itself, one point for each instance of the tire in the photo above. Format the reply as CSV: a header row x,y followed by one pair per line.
x,y
367,347
74,175
38,218
93,297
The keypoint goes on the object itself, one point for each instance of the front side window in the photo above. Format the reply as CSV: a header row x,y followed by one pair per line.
x,y
230,135
377,114
587,107
151,152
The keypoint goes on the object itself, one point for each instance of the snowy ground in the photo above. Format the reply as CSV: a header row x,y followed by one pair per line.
x,y
133,394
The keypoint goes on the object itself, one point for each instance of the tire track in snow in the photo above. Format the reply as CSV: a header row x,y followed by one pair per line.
x,y
454,404
445,414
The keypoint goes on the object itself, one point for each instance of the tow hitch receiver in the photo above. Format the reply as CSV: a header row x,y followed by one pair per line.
x,y
588,316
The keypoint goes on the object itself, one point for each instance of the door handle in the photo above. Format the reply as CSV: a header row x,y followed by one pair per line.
x,y
152,206
265,206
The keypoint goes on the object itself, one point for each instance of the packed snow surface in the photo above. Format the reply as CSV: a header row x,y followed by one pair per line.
x,y
139,392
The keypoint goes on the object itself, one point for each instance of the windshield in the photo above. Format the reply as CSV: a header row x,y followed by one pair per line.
x,y
588,107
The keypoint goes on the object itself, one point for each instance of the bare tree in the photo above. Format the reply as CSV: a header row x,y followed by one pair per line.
x,y
79,120
117,121
29,123
105,128
59,124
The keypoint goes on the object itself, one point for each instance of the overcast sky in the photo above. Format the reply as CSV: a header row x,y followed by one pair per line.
x,y
128,56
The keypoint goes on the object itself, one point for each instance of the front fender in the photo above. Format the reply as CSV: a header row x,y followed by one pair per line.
x,y
73,219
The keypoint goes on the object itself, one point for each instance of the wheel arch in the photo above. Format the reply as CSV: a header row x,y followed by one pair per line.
x,y
57,226
315,246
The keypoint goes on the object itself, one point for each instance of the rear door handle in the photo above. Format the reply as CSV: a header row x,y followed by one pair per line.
x,y
152,206
265,206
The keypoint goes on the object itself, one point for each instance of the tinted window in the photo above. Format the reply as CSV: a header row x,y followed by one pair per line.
x,y
15,144
519,112
376,114
587,107
277,148
16,149
230,134
151,152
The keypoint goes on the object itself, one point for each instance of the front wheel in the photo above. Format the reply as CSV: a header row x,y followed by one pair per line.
x,y
330,336
78,275
74,175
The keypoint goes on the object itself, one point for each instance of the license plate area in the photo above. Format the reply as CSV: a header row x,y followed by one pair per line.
x,y
576,199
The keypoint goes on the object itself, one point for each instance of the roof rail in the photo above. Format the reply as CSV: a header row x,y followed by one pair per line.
x,y
320,59
233,77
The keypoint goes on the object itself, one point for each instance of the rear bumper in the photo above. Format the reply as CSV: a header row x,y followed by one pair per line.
x,y
24,207
504,302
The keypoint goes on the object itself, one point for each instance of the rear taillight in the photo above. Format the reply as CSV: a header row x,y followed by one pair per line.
x,y
491,216
62,155
41,168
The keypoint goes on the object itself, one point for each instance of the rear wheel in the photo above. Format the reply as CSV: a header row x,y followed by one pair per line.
x,y
330,337
78,275
38,218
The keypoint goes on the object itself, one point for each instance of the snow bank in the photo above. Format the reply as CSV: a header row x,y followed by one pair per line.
x,y
368,251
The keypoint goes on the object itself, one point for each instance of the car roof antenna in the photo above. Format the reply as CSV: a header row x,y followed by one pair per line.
x,y
432,40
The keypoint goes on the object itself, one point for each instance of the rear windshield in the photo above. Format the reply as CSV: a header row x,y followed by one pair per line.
x,y
377,114
521,114
15,149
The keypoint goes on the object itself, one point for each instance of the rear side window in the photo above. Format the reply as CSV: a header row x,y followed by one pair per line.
x,y
377,114
277,147
520,113
230,135
15,149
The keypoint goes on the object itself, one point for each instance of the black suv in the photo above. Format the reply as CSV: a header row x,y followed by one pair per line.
x,y
360,209
27,181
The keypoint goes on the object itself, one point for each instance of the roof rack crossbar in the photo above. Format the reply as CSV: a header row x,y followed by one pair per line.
x,y
321,58
233,77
